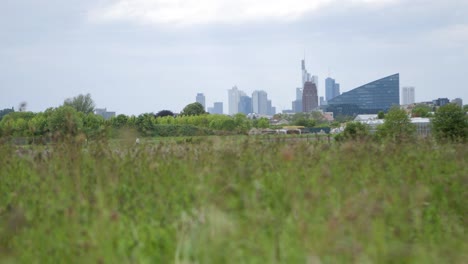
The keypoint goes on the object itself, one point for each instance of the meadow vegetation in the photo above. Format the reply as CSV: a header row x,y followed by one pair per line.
x,y
233,200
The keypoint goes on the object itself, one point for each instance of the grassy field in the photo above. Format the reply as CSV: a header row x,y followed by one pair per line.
x,y
211,200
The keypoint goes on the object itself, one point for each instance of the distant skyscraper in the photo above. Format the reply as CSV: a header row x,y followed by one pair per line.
x,y
329,88
245,105
260,102
305,74
299,93
322,101
218,108
234,98
407,96
332,88
337,90
201,99
297,106
314,79
309,97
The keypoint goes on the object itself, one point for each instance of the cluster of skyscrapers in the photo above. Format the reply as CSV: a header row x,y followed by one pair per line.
x,y
370,98
258,103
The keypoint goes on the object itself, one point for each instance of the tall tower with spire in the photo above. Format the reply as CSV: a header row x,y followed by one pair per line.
x,y
305,74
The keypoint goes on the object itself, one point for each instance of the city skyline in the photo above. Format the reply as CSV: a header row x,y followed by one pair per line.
x,y
132,62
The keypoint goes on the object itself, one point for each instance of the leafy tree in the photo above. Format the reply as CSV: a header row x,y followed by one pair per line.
x,y
81,103
356,130
381,115
465,108
164,113
6,111
263,122
65,120
421,110
119,121
397,126
450,123
303,119
193,109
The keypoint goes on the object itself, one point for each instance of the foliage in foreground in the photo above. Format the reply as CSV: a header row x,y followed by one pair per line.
x,y
239,201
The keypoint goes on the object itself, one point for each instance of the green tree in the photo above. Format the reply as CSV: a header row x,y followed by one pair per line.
x,y
397,126
6,111
263,122
81,103
421,110
356,130
381,115
193,109
65,120
164,113
450,123
119,121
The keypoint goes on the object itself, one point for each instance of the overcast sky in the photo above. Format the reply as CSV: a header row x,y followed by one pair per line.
x,y
137,56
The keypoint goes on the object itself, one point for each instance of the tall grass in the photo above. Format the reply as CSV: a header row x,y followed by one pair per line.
x,y
234,201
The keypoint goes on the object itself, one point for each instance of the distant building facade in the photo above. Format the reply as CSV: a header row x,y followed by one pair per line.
x,y
458,101
201,99
104,113
216,109
245,105
371,98
332,89
440,102
309,97
407,95
234,95
260,102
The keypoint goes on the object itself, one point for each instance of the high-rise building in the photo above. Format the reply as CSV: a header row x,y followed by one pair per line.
x,y
407,95
260,102
305,74
245,104
201,99
329,88
234,98
337,90
299,93
322,101
314,79
309,97
297,106
332,88
218,108
379,95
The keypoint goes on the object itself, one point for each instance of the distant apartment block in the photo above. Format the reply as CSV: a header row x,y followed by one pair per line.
x,y
407,95
104,113
201,99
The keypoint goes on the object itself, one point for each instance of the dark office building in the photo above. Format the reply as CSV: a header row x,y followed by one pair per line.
x,y
379,95
309,97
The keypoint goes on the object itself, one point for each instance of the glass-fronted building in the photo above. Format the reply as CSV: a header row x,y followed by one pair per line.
x,y
379,95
